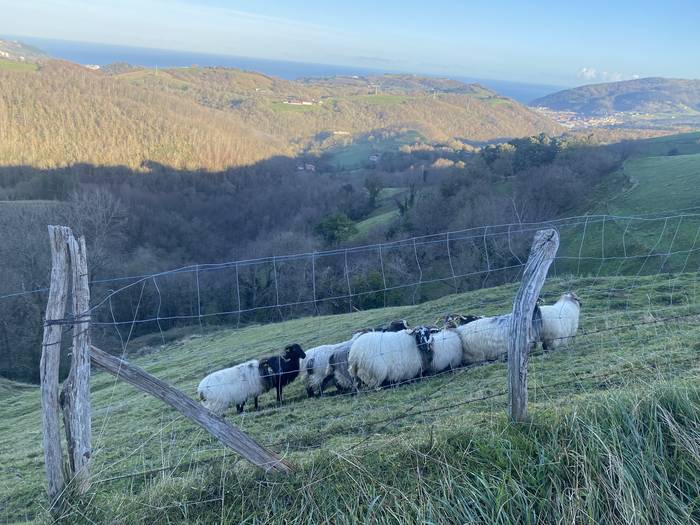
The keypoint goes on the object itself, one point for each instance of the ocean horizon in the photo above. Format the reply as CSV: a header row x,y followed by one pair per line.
x,y
87,53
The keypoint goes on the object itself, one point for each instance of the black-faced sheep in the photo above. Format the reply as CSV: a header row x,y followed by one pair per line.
x,y
280,370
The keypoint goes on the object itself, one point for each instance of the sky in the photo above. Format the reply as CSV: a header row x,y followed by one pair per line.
x,y
564,42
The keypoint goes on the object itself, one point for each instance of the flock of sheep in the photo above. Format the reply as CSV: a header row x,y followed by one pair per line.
x,y
373,358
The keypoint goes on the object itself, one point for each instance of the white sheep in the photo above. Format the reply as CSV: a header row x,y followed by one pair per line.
x,y
377,358
486,338
447,350
234,385
313,367
560,321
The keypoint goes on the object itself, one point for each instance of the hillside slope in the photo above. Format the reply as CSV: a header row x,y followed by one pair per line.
x,y
439,109
19,52
644,95
62,114
424,451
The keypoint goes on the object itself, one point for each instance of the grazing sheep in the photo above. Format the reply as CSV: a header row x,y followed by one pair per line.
x,y
314,367
232,385
377,358
486,338
560,321
280,370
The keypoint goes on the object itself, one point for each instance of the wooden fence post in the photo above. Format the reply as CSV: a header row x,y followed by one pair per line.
x,y
521,340
75,398
51,358
220,429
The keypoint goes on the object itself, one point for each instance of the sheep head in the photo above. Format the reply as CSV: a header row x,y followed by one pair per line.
x,y
455,320
397,325
571,296
294,351
424,340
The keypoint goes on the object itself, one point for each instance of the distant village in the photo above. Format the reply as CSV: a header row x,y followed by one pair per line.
x,y
573,120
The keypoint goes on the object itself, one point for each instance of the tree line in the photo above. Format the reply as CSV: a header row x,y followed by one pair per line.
x,y
160,218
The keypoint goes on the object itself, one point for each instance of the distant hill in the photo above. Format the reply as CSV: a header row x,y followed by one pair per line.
x,y
644,95
212,118
17,51
63,114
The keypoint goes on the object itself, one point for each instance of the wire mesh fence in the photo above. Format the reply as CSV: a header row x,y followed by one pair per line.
x,y
637,278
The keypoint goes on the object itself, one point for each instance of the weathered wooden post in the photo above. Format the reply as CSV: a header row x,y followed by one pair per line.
x,y
75,398
51,357
521,340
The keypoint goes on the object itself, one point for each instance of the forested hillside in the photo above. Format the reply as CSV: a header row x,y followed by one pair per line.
x,y
59,114
63,114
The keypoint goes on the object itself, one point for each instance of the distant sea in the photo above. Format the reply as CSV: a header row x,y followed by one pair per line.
x,y
103,54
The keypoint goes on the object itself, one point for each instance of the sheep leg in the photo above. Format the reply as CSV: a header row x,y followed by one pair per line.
x,y
256,402
239,408
326,381
310,391
278,387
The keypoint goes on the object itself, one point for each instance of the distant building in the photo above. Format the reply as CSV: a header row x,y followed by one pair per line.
x,y
310,167
374,158
298,102
94,67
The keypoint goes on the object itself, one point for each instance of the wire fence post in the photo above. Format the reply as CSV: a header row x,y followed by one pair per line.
x,y
522,337
75,397
50,360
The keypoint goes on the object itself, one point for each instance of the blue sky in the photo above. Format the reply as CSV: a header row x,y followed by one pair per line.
x,y
555,42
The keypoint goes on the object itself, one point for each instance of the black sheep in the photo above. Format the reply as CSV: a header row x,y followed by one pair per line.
x,y
280,370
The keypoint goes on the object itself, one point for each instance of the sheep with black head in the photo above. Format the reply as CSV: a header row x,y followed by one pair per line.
x,y
280,370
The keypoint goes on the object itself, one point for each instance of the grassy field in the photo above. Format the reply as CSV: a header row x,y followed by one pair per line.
x,y
613,434
357,154
650,182
11,65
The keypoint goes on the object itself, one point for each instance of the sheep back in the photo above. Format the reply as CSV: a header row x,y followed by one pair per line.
x,y
447,350
485,339
378,357
559,322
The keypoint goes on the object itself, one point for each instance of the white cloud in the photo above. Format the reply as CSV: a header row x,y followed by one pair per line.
x,y
588,73
591,73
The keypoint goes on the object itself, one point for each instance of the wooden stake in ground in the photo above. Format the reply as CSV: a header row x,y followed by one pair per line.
x,y
521,340
75,398
51,357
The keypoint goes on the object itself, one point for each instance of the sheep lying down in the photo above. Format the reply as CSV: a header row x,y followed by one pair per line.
x,y
233,386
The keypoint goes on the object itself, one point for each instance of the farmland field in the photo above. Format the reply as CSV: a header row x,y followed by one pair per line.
x,y
421,449
11,65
